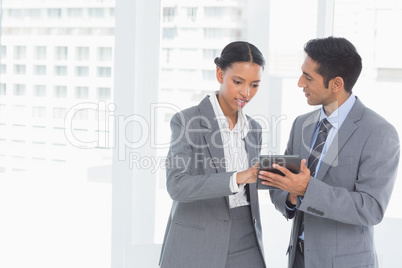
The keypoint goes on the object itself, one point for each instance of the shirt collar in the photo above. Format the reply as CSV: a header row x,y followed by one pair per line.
x,y
242,124
339,115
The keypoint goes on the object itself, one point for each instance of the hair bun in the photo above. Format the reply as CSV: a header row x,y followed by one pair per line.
x,y
218,61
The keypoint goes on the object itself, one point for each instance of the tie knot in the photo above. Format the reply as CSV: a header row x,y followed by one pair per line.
x,y
325,125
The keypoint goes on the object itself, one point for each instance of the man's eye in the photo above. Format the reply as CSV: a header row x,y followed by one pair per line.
x,y
308,78
236,82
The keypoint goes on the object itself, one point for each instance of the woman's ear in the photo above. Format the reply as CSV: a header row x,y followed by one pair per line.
x,y
219,75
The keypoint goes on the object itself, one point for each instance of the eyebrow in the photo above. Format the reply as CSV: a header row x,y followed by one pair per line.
x,y
238,77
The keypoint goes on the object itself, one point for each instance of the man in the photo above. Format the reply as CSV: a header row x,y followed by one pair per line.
x,y
350,160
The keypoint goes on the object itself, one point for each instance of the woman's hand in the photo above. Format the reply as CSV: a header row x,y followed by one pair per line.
x,y
248,175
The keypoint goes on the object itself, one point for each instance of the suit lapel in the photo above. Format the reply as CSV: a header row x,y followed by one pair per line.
x,y
213,138
347,129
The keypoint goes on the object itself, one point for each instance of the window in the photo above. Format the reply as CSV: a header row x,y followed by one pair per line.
x,y
210,54
165,55
81,71
39,91
60,53
104,53
104,72
60,91
54,13
192,14
19,69
3,89
20,52
81,92
3,69
75,12
82,53
208,75
38,112
40,69
40,53
169,14
103,93
60,70
169,33
3,52
59,112
96,12
19,90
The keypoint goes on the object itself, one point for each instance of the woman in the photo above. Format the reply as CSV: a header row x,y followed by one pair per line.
x,y
215,221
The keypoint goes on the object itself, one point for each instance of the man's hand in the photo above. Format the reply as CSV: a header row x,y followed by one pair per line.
x,y
248,175
295,184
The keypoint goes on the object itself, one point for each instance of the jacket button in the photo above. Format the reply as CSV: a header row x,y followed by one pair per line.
x,y
255,221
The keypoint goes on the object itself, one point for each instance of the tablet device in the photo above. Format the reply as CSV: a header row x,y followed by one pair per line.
x,y
291,162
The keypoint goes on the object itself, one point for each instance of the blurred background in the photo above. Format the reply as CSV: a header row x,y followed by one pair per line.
x,y
87,90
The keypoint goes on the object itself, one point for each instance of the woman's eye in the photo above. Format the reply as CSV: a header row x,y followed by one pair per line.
x,y
255,85
236,82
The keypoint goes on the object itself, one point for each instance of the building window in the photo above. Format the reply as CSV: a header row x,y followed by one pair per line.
x,y
3,90
19,69
96,12
38,112
19,90
192,14
81,71
40,69
54,13
103,93
81,92
169,14
40,53
82,53
60,53
3,52
20,52
208,75
169,33
211,54
39,91
104,53
59,112
60,91
75,12
60,70
3,69
104,72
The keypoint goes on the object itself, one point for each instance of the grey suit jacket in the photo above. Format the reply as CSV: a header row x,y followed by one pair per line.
x,y
350,193
198,229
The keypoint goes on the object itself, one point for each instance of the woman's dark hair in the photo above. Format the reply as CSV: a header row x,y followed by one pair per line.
x,y
239,51
336,57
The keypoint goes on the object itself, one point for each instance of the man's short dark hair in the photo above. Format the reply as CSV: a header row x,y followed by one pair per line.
x,y
336,57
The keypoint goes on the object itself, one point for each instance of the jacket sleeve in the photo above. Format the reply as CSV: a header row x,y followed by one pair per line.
x,y
278,196
182,185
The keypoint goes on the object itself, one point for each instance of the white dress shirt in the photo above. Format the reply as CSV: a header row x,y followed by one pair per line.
x,y
234,147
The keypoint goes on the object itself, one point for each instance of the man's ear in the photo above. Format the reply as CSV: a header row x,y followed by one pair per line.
x,y
219,75
337,84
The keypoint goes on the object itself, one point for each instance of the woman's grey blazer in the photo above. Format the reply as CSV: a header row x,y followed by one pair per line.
x,y
198,229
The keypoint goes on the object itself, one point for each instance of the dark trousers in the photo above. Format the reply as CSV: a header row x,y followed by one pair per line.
x,y
243,246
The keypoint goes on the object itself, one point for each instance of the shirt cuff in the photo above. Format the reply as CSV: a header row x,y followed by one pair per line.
x,y
234,187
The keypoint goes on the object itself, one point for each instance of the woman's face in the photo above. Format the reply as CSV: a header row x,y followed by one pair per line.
x,y
239,84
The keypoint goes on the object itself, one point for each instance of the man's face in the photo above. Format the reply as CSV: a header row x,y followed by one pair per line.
x,y
313,85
